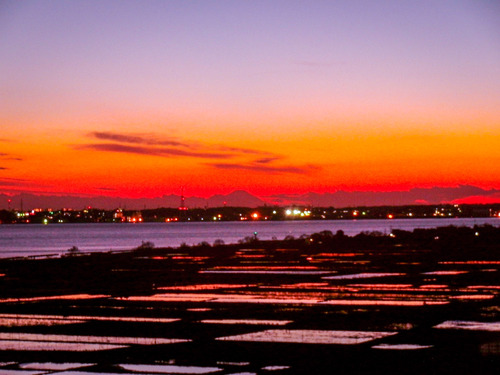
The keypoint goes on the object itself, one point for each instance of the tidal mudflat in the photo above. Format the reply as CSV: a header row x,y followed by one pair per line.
x,y
417,302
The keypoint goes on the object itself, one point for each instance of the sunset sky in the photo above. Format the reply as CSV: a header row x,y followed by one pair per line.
x,y
141,98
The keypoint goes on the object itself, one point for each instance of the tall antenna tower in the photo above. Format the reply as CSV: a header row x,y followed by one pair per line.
x,y
183,207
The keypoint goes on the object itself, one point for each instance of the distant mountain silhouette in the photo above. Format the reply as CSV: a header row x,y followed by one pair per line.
x,y
434,195
236,198
31,201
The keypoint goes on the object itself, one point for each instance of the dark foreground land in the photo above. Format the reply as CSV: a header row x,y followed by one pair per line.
x,y
414,303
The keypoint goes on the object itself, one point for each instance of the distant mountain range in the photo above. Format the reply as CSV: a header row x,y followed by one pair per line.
x,y
240,198
30,201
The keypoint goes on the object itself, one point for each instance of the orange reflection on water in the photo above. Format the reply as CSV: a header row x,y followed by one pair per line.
x,y
472,262
484,287
206,287
445,273
383,303
21,322
274,298
434,286
194,259
365,275
248,322
335,255
383,286
37,319
63,297
473,297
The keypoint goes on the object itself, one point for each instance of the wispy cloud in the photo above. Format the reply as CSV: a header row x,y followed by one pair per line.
x,y
13,181
306,169
105,189
5,156
267,160
137,139
245,151
141,150
155,145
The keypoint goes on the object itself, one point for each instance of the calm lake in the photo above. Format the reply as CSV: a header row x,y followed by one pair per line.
x,y
34,239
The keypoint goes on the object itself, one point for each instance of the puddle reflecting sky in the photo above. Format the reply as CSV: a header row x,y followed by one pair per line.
x,y
310,336
87,339
22,345
401,346
19,320
468,325
247,321
170,369
262,272
444,273
62,297
53,366
362,276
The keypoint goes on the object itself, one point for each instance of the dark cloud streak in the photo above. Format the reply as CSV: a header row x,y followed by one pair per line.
x,y
265,168
164,152
5,156
137,139
151,145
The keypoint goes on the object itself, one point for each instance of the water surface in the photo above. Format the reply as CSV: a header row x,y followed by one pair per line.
x,y
38,239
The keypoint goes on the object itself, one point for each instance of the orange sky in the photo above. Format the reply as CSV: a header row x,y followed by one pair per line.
x,y
113,100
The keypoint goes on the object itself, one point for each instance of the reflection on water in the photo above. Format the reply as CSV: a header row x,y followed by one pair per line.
x,y
224,298
88,339
20,372
22,240
23,345
366,275
54,366
473,297
401,346
377,302
170,369
468,325
62,297
19,320
472,262
221,363
247,321
310,336
444,273
206,287
259,272
275,368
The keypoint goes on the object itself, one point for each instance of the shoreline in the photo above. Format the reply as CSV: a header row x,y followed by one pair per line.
x,y
35,240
